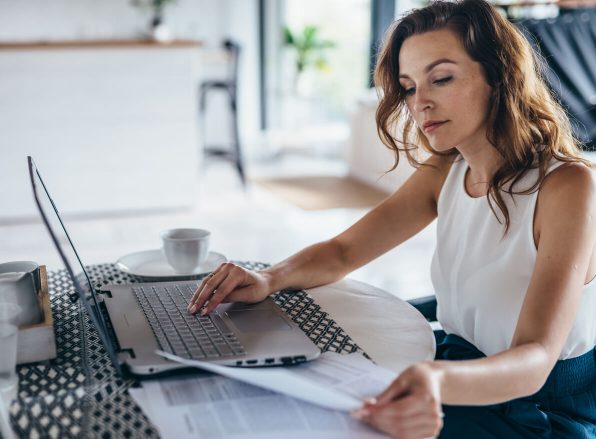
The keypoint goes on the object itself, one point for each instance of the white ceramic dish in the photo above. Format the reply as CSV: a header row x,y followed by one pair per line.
x,y
152,263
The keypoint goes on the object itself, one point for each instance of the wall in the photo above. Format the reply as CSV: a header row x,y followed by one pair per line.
x,y
26,20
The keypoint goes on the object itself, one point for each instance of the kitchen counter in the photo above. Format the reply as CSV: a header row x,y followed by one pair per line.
x,y
111,124
99,44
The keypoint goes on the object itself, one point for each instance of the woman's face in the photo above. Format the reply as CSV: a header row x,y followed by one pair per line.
x,y
446,91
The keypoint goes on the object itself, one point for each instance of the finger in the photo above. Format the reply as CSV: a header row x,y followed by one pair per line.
x,y
404,407
397,388
383,418
197,292
423,424
401,408
418,427
228,285
202,285
209,285
205,283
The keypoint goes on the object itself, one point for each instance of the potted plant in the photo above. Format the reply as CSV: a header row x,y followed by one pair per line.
x,y
309,51
158,29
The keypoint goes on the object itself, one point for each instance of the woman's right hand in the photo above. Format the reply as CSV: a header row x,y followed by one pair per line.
x,y
229,283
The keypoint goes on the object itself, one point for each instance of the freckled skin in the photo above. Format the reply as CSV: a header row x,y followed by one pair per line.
x,y
463,101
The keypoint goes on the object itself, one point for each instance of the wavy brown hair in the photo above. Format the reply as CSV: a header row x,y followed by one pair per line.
x,y
526,124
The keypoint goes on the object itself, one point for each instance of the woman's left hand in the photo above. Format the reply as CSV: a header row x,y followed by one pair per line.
x,y
410,408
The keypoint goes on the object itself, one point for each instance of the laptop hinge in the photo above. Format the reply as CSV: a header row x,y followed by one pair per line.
x,y
106,318
106,293
126,354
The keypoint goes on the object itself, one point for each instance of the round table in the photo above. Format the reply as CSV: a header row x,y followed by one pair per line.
x,y
390,330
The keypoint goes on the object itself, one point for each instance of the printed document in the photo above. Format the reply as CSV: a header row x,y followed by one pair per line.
x,y
334,381
257,406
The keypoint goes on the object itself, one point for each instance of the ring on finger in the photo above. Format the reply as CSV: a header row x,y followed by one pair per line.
x,y
213,293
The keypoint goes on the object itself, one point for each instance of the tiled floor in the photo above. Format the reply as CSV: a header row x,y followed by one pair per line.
x,y
246,224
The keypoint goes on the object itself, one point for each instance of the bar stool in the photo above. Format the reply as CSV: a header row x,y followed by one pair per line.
x,y
230,87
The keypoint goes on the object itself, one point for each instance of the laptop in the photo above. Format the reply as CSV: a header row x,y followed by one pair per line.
x,y
135,320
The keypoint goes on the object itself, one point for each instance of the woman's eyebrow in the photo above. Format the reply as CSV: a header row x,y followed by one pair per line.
x,y
432,65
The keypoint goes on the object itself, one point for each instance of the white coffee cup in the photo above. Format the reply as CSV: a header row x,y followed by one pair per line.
x,y
185,249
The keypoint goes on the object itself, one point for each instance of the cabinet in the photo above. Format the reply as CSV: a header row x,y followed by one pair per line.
x,y
111,125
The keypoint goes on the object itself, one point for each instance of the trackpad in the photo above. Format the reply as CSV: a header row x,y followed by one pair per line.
x,y
257,320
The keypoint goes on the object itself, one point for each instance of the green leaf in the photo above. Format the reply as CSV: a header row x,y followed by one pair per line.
x,y
310,33
288,37
307,46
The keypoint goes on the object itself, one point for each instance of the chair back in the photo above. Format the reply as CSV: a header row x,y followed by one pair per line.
x,y
233,50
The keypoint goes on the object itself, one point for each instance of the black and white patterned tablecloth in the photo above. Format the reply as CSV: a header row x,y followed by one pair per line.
x,y
78,394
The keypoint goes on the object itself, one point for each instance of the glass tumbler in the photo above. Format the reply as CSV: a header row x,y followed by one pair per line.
x,y
9,381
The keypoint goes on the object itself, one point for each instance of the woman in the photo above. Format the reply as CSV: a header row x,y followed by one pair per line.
x,y
515,235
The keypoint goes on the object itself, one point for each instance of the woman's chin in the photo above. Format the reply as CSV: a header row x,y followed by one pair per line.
x,y
442,147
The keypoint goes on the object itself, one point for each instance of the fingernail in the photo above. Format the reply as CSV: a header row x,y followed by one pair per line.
x,y
204,311
360,414
371,401
193,309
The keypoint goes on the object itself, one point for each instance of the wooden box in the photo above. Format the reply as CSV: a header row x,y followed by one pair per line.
x,y
38,342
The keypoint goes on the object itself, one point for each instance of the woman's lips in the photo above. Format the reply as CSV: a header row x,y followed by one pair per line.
x,y
433,126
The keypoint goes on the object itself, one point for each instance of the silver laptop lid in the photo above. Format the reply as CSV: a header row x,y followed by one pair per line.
x,y
84,289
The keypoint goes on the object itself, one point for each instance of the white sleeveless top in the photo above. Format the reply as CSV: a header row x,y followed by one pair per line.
x,y
481,279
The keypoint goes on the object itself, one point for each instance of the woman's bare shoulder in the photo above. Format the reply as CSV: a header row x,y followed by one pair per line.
x,y
569,180
569,188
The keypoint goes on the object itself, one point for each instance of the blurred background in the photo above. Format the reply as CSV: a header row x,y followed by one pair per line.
x,y
251,118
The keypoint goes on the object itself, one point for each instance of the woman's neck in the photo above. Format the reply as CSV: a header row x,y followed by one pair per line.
x,y
484,161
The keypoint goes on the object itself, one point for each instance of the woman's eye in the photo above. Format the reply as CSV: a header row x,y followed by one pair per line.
x,y
443,80
409,91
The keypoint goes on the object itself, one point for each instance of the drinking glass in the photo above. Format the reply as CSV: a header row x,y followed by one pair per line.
x,y
9,381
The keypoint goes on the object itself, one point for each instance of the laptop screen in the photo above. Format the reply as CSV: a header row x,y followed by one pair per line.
x,y
69,255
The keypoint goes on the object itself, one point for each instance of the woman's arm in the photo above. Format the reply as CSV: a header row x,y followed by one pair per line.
x,y
392,222
396,219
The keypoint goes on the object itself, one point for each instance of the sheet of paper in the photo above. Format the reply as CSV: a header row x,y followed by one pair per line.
x,y
142,400
218,407
334,381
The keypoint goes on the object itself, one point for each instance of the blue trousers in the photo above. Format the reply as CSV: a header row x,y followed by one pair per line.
x,y
565,407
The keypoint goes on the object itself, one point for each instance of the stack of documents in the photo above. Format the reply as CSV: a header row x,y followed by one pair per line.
x,y
312,398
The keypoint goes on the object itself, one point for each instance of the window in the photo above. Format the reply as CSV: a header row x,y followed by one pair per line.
x,y
325,91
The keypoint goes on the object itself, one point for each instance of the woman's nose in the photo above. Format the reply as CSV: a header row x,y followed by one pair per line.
x,y
422,101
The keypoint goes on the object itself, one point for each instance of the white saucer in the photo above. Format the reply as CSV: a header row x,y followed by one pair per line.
x,y
152,263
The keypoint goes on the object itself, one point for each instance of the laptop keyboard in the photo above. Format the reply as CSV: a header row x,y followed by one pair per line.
x,y
181,333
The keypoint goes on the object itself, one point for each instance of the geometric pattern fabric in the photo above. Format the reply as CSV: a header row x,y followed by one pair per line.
x,y
79,394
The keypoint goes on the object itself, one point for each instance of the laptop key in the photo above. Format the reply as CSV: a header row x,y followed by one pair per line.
x,y
221,325
181,352
211,353
197,355
224,350
179,332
